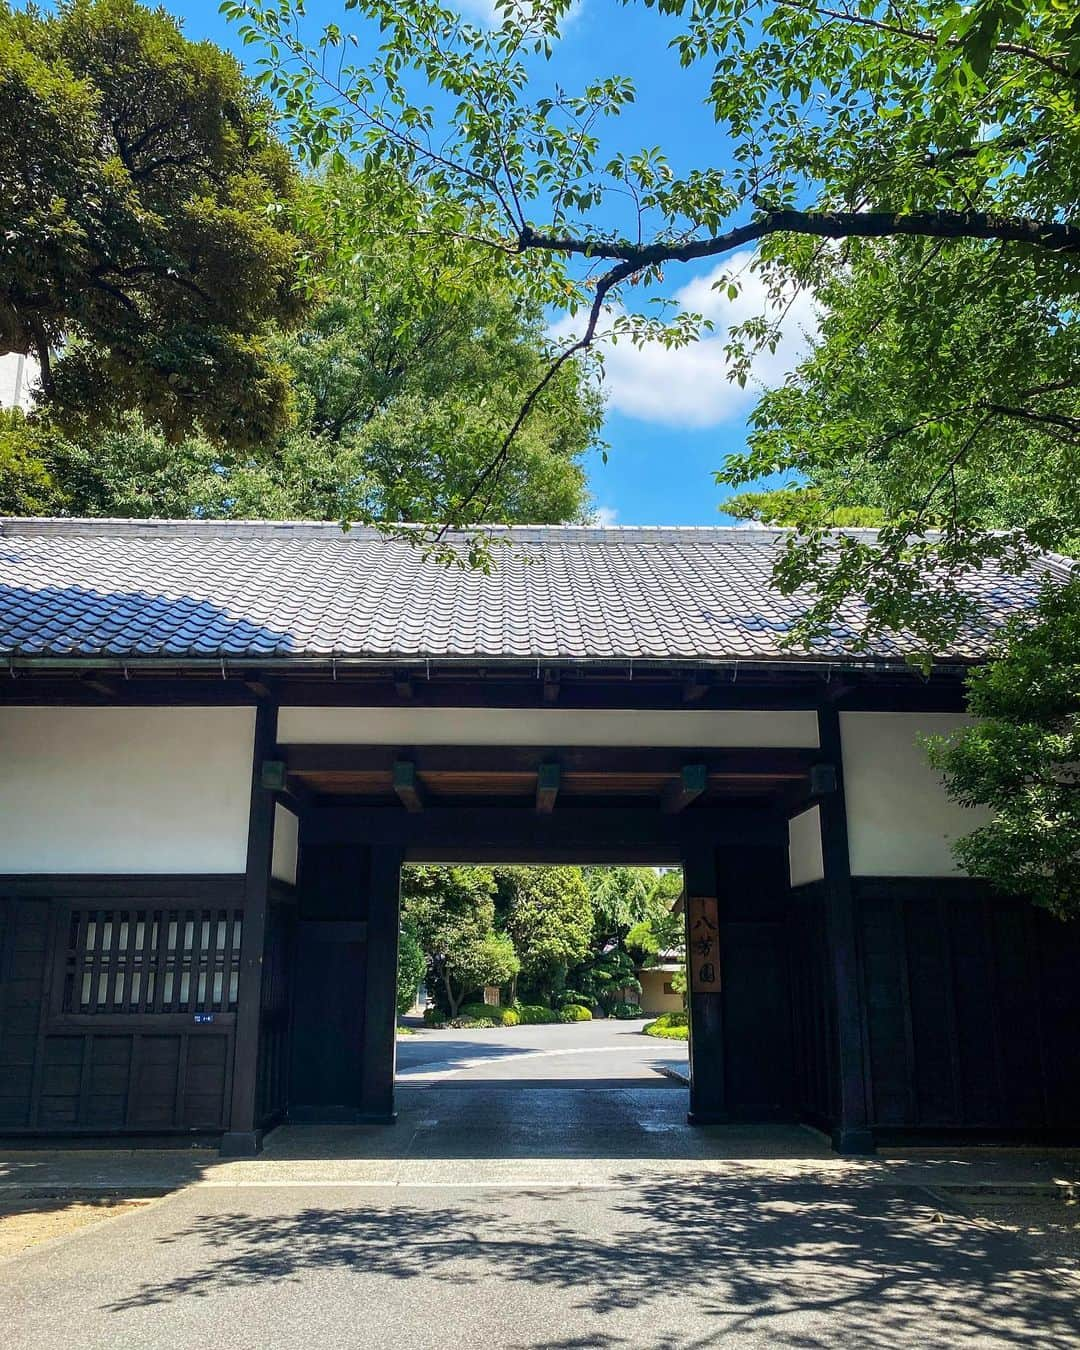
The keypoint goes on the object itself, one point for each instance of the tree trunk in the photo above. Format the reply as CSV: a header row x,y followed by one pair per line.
x,y
454,1003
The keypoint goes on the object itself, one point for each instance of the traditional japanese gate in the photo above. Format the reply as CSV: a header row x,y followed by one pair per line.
x,y
200,854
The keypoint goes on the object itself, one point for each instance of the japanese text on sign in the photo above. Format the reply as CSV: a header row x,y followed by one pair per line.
x,y
703,944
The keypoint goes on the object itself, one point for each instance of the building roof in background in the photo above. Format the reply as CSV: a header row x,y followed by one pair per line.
x,y
186,591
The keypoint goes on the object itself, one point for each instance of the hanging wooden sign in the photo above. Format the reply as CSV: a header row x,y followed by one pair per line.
x,y
703,944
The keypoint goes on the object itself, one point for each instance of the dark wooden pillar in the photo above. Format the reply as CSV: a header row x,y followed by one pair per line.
x,y
380,985
244,1137
851,1132
708,1098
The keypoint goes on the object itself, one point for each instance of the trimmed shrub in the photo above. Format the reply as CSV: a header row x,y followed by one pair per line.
x,y
498,1017
672,1019
667,1033
625,1012
535,1014
575,1012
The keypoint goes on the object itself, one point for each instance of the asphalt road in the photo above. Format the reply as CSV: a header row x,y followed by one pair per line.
x,y
602,1053
498,1213
645,1262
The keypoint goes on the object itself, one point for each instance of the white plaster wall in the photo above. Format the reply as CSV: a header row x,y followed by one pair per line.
x,y
805,860
286,838
18,376
125,789
544,726
900,821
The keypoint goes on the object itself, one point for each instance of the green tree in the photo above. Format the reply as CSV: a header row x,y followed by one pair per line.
x,y
607,979
27,486
940,394
145,236
950,127
398,384
1021,758
549,920
451,910
622,897
410,968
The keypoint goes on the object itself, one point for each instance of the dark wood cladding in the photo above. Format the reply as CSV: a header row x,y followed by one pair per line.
x,y
813,1008
114,1065
972,1009
275,1006
752,891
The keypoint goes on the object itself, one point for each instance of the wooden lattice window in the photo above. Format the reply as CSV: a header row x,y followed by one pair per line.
x,y
152,960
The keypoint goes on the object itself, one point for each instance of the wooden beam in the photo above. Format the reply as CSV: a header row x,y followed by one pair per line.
x,y
407,787
404,687
690,784
551,686
670,760
547,787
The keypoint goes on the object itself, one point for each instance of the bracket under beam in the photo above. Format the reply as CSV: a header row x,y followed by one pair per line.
x,y
548,778
407,786
690,784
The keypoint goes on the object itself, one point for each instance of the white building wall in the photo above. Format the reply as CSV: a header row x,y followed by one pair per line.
x,y
805,859
545,726
18,376
125,789
286,840
900,820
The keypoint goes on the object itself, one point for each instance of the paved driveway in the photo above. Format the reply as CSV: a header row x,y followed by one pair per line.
x,y
643,1261
602,1053
519,1218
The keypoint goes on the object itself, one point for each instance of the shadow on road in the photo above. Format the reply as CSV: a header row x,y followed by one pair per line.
x,y
750,1258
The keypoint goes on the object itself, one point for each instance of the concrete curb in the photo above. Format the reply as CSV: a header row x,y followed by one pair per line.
x,y
670,1071
1066,1192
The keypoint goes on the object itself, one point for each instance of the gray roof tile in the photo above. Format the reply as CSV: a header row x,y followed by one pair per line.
x,y
204,589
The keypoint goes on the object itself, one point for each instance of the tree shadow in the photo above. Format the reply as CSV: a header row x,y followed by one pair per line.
x,y
796,1264
81,620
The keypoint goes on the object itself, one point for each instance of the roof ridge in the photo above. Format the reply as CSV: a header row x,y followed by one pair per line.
x,y
120,527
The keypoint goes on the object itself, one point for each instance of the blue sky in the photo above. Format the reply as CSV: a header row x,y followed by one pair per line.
x,y
672,417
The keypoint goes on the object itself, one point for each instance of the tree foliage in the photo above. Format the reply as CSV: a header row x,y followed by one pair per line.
x,y
145,226
622,897
1021,758
549,920
950,131
452,910
940,395
399,385
410,968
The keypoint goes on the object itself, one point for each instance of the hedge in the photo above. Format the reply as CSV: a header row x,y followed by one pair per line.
x,y
535,1014
626,1011
672,1026
498,1017
575,1012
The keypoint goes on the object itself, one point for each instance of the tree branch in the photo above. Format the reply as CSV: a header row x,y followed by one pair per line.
x,y
1052,234
1053,61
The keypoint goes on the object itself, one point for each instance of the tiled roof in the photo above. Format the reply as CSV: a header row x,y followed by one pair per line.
x,y
188,590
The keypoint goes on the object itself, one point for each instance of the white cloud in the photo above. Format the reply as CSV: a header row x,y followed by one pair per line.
x,y
488,15
605,515
689,387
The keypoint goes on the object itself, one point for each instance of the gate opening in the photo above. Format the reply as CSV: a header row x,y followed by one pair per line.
x,y
542,1008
